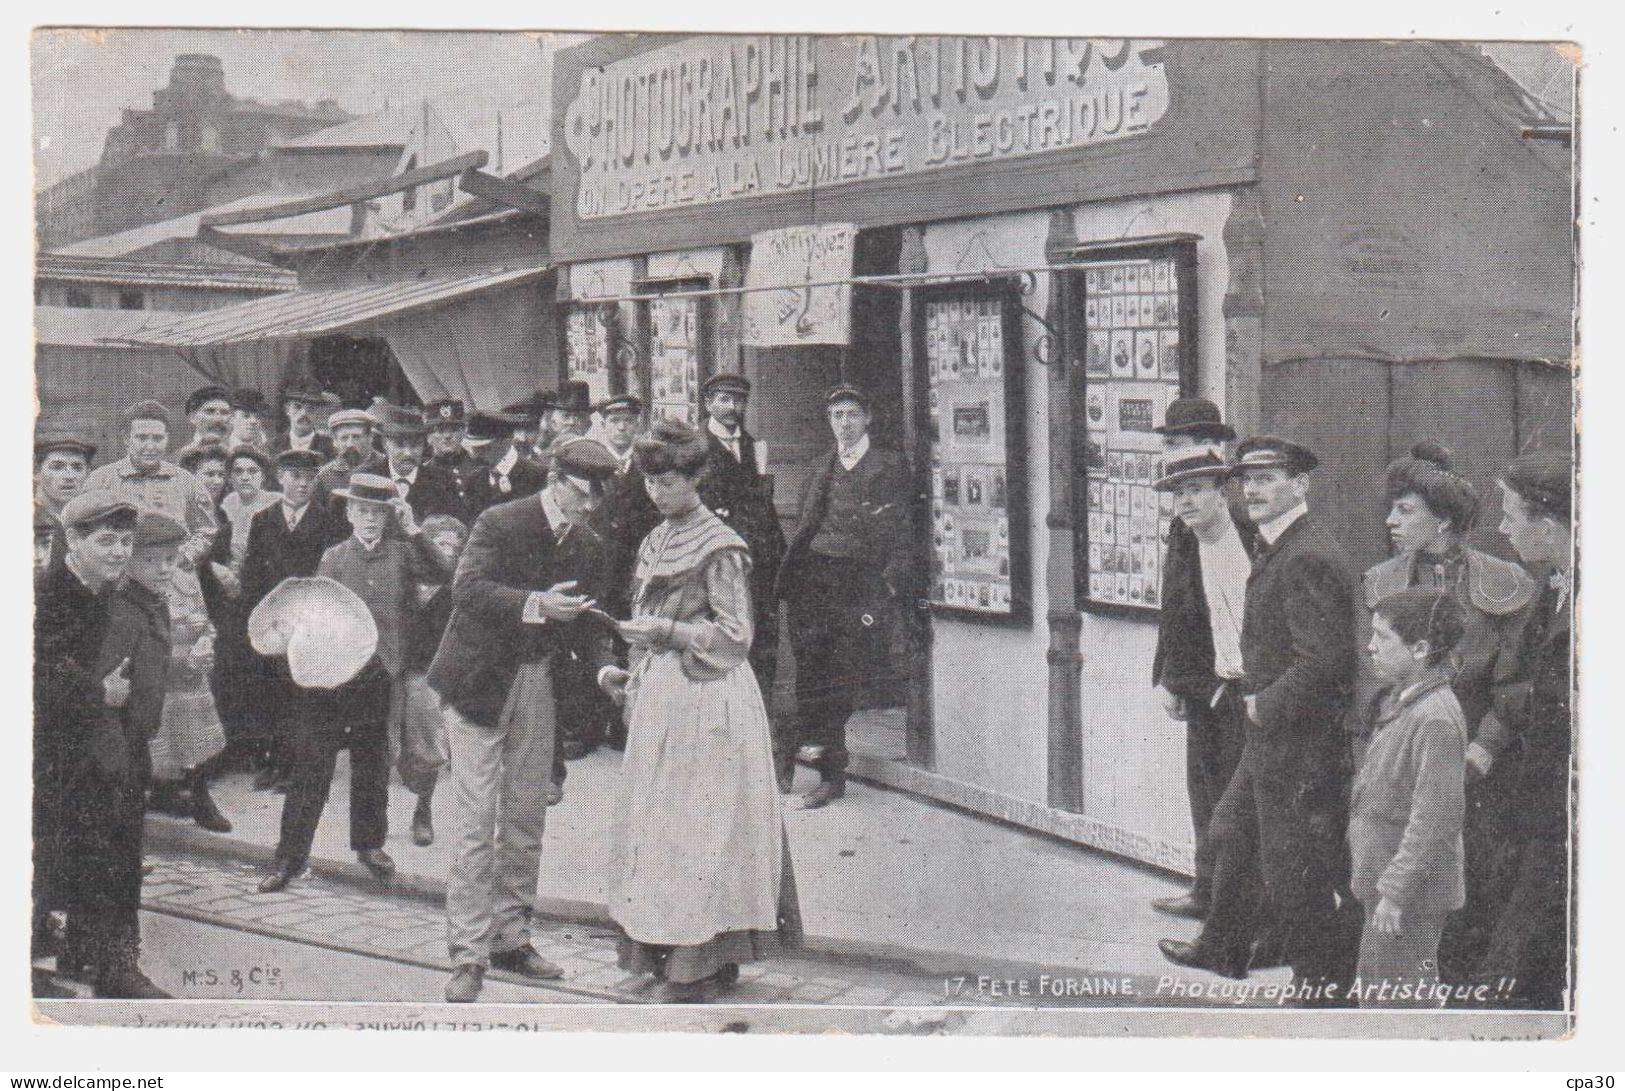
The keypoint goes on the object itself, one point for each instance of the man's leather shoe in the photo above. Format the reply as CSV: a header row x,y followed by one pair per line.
x,y
281,877
1189,954
555,794
525,962
378,862
422,826
1185,905
465,984
826,793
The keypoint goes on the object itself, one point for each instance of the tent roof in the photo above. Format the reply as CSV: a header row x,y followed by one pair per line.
x,y
88,327
311,313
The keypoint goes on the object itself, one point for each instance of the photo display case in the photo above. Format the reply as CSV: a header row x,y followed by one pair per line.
x,y
589,347
968,340
1134,321
676,329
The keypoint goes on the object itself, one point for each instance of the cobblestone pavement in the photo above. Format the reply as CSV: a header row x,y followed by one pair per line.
x,y
332,915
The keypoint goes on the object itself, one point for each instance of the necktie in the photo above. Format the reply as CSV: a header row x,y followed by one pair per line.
x,y
403,486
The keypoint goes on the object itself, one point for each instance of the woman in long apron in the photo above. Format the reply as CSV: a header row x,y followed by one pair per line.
x,y
702,881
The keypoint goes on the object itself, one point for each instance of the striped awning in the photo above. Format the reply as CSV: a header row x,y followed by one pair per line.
x,y
313,312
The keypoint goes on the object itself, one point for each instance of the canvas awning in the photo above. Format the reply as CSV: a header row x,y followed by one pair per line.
x,y
313,313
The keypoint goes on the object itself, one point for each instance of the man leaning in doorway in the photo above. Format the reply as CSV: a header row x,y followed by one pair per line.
x,y
1282,817
847,563
1197,668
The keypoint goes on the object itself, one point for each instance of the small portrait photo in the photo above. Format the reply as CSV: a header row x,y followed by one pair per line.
x,y
1119,312
1091,311
1119,277
1108,529
1094,496
1096,585
1004,567
1145,354
1000,493
1165,310
1124,564
1136,588
1097,353
973,423
1004,530
950,486
984,596
1168,354
1142,468
1131,310
1114,465
1094,456
1122,358
1094,526
1162,276
1122,585
974,489
948,524
1150,598
1094,556
1125,503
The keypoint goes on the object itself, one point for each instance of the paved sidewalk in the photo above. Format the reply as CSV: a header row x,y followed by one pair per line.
x,y
346,921
881,874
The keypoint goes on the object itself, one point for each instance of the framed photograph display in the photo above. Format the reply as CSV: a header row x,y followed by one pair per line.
x,y
967,344
1133,322
589,347
677,330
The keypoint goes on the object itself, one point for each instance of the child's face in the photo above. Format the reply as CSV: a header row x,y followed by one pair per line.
x,y
369,520
1393,659
449,543
152,566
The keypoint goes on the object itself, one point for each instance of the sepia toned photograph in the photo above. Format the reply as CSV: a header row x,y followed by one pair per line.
x,y
784,532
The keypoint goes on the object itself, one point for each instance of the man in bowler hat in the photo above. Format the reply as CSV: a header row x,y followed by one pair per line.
x,y
532,566
429,488
1197,668
1281,818
735,488
843,570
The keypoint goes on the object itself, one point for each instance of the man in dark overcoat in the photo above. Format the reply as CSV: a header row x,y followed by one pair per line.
x,y
1282,817
1197,667
301,406
842,575
448,429
72,600
428,487
735,488
286,539
531,567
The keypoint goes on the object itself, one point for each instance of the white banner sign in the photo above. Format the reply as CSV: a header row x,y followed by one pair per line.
x,y
781,308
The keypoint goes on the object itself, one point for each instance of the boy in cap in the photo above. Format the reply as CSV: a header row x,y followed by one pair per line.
x,y
1281,818
105,818
383,561
846,565
71,606
1197,668
734,487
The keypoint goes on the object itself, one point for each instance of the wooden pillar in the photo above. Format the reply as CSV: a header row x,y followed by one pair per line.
x,y
1066,414
729,335
1244,312
919,736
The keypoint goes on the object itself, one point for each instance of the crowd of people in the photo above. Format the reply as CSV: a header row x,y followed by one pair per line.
x,y
476,597
1379,769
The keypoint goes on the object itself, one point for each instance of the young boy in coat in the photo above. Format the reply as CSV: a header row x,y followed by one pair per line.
x,y
383,561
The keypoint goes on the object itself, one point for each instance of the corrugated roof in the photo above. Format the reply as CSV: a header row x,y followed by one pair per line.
x,y
331,222
271,278
85,327
310,313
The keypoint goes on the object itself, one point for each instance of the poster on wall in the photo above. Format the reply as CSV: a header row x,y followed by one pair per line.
x,y
969,340
795,294
674,359
1137,309
589,349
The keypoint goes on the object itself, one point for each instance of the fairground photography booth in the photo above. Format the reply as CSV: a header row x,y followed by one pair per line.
x,y
1024,249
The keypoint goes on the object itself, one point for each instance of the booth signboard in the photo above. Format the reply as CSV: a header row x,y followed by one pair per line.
x,y
589,349
1137,310
968,339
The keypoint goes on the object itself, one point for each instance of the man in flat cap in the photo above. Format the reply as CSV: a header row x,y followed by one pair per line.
x,y
301,406
734,487
353,452
284,540
71,608
104,819
209,410
1281,818
1531,940
429,488
530,569
840,577
61,463
148,480
1197,668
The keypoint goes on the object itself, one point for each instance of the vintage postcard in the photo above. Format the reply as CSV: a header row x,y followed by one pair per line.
x,y
788,532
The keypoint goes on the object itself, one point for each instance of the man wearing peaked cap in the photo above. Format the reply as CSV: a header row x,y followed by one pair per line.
x,y
352,431
735,487
627,514
61,463
841,578
448,433
1282,817
1197,667
531,568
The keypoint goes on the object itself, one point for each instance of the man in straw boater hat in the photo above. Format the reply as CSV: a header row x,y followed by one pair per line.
x,y
1282,817
1197,668
383,561
532,566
